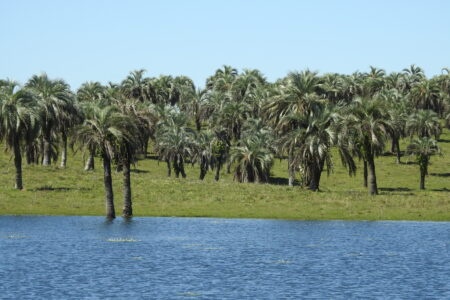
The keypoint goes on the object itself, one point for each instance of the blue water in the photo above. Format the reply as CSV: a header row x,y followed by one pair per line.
x,y
186,258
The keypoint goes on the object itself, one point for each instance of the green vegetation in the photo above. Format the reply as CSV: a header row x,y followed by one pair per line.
x,y
244,147
73,191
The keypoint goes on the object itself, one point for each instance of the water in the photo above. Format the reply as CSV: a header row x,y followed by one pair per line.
x,y
186,258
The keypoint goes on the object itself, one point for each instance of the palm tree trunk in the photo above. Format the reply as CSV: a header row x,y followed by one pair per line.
x,y
198,123
109,195
18,165
217,175
176,168
64,149
90,163
46,160
181,166
145,146
423,172
397,147
29,154
169,168
291,170
365,173
422,179
203,168
127,211
315,176
371,176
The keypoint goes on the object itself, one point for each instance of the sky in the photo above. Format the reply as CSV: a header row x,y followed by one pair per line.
x,y
103,40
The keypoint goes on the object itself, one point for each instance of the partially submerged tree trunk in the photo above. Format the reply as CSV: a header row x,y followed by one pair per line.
x,y
109,195
18,165
127,211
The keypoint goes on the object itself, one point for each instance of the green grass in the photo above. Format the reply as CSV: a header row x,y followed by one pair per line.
x,y
72,191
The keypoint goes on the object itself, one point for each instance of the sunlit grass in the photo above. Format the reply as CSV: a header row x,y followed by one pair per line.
x,y
72,191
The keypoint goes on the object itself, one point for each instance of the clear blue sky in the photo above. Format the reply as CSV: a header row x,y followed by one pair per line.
x,y
99,40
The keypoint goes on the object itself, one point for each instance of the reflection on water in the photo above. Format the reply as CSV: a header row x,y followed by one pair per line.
x,y
179,258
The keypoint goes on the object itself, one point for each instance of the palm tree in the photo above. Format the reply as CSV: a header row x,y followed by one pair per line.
x,y
174,142
89,95
373,82
423,123
366,122
253,159
55,101
309,144
298,95
136,86
126,156
422,148
398,107
412,76
106,129
222,80
425,95
204,154
17,119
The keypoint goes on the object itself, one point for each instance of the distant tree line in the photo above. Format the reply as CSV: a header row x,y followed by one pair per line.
x,y
239,122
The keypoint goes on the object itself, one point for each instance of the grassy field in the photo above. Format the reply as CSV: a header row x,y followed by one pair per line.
x,y
72,191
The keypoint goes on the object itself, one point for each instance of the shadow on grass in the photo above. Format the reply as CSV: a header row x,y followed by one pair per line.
x,y
393,154
137,171
440,174
397,189
441,190
59,189
408,163
281,181
443,141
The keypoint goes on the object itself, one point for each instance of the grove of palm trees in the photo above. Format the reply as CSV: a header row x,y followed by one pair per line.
x,y
241,128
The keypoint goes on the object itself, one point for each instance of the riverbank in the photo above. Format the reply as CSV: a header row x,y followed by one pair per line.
x,y
72,191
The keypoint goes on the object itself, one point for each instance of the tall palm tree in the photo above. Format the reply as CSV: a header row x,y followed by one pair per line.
x,y
55,102
105,130
366,122
298,94
17,119
422,148
89,95
126,155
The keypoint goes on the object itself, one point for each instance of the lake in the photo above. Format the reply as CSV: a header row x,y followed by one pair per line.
x,y
200,258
